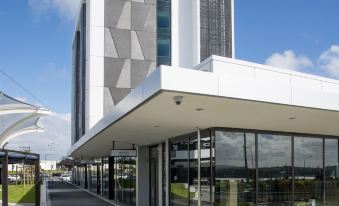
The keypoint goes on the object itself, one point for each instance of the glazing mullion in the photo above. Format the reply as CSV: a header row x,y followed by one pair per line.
x,y
293,173
256,170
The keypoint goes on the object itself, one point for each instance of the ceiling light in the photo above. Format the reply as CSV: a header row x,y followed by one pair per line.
x,y
199,109
292,118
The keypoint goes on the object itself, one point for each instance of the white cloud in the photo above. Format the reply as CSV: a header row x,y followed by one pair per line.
x,y
66,9
57,130
289,60
329,61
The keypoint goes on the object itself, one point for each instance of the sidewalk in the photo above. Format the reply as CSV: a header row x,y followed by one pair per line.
x,y
68,195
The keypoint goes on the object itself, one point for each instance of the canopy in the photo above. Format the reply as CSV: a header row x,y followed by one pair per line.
x,y
17,118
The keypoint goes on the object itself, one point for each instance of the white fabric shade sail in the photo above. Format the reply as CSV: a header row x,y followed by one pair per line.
x,y
17,118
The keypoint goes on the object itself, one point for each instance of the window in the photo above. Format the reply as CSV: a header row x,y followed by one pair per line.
x,y
234,168
163,32
274,169
308,166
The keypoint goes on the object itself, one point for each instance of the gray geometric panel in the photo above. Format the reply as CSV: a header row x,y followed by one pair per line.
x,y
113,10
139,71
150,21
125,75
122,41
151,69
148,44
139,14
112,71
110,50
108,101
125,17
136,49
118,94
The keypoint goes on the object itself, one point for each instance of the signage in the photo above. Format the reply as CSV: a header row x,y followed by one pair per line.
x,y
124,153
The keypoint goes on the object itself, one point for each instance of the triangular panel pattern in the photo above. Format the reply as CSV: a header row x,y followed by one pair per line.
x,y
150,23
113,69
118,94
147,41
139,71
110,49
125,75
151,68
125,17
136,52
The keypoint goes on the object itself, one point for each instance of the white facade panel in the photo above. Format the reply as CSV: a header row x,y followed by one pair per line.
x,y
185,33
96,73
233,70
97,10
187,80
97,40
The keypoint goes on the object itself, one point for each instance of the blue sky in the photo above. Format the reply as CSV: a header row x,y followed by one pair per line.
x,y
36,38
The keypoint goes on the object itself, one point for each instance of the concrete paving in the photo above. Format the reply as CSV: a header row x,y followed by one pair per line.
x,y
65,194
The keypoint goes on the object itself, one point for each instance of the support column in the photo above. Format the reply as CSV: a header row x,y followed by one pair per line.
x,y
143,195
167,172
4,179
199,168
37,181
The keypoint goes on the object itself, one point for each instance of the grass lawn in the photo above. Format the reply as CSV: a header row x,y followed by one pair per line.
x,y
20,193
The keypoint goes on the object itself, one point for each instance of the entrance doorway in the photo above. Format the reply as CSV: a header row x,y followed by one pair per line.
x,y
122,180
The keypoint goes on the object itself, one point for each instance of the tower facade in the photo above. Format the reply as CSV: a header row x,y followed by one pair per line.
x,y
118,43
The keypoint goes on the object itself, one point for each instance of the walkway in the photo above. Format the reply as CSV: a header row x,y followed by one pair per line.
x,y
68,195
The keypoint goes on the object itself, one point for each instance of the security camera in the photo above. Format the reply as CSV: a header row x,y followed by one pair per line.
x,y
178,99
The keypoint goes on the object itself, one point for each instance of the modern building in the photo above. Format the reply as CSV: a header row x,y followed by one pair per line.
x,y
163,114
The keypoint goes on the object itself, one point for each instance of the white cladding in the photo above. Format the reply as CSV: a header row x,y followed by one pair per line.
x,y
228,78
94,62
185,16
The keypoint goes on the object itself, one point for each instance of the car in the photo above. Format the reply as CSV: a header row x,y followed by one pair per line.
x,y
65,177
13,178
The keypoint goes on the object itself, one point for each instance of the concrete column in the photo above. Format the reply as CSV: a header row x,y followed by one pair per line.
x,y
160,175
142,186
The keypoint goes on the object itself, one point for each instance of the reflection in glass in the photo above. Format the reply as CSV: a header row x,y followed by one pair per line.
x,y
163,32
331,172
274,169
308,160
193,171
179,172
234,168
105,179
124,180
205,171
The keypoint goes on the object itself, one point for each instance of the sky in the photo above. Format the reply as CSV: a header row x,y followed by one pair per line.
x,y
36,41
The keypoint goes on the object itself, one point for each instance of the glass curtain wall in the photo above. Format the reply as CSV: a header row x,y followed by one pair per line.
x,y
234,168
274,169
205,169
308,169
240,168
331,172
123,180
179,162
105,177
163,32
